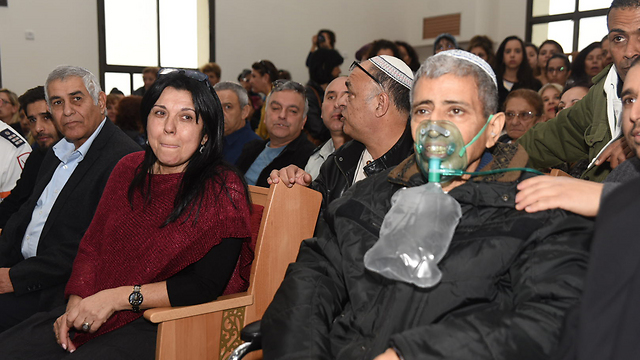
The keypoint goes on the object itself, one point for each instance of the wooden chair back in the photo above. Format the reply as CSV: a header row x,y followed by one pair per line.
x,y
212,330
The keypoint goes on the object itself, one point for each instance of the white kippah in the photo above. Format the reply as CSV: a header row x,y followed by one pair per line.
x,y
474,59
395,68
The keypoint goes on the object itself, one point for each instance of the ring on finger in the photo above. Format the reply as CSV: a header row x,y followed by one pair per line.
x,y
86,327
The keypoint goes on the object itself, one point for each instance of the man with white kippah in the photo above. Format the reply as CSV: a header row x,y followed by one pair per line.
x,y
376,113
498,281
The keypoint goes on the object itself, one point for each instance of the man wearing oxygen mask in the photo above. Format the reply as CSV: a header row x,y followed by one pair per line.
x,y
452,270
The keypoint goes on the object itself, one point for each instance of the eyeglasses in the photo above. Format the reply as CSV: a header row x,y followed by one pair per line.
x,y
449,46
558,69
4,102
525,115
194,74
357,64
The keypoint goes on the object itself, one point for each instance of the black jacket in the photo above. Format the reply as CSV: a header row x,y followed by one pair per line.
x,y
24,186
508,278
297,153
69,218
605,325
315,125
337,173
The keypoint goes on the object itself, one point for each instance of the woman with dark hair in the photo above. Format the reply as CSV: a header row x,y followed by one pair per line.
x,y
588,63
482,46
172,228
532,55
383,47
548,48
558,69
512,70
409,55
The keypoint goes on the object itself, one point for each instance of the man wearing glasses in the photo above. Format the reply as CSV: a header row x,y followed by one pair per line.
x,y
376,112
285,116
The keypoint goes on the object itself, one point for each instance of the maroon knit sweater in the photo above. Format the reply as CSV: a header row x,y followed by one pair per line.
x,y
125,246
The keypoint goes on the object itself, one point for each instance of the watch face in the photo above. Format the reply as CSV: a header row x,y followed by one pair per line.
x,y
135,299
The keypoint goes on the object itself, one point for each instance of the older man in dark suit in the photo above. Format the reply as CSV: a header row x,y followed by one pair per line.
x,y
40,241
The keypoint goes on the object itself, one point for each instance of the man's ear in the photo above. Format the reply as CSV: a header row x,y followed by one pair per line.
x,y
245,112
494,129
102,103
382,102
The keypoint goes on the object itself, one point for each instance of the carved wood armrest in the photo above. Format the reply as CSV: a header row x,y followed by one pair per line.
x,y
158,315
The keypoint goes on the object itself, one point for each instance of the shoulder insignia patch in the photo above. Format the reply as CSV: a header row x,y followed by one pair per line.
x,y
12,137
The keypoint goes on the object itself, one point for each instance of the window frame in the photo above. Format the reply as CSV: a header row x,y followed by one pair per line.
x,y
131,70
576,16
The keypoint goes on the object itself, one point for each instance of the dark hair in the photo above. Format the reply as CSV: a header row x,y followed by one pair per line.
x,y
564,57
575,83
524,74
332,36
204,166
414,64
398,93
579,70
266,67
321,64
383,44
552,42
244,74
622,4
284,74
129,113
30,96
531,97
530,44
487,45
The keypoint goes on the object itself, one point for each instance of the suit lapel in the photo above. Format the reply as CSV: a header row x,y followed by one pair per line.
x,y
78,174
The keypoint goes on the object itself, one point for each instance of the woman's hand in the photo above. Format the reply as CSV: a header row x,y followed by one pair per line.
x,y
60,327
94,310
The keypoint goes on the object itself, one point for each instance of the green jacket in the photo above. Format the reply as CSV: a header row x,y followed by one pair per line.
x,y
579,132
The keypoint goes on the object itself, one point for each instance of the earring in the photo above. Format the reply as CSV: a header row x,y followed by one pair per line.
x,y
201,148
493,134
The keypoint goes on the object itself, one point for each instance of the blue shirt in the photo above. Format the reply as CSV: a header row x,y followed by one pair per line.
x,y
69,160
234,142
265,158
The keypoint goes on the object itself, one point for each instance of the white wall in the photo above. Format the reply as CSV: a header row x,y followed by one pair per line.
x,y
66,31
247,31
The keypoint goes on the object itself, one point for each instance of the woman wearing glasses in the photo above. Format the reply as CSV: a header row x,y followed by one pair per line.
x,y
523,109
558,69
513,70
172,228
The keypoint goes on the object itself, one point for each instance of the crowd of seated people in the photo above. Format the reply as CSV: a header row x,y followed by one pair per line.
x,y
172,166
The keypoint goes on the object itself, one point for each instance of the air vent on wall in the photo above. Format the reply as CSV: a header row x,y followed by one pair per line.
x,y
434,26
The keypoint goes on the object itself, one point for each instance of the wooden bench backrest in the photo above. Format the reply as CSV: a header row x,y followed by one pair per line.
x,y
289,216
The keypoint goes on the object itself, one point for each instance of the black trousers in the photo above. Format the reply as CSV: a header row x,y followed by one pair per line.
x,y
14,309
34,339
